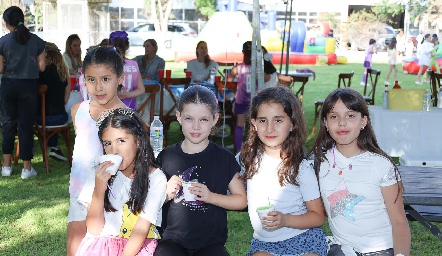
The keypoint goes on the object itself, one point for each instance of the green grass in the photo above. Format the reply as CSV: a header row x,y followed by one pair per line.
x,y
33,213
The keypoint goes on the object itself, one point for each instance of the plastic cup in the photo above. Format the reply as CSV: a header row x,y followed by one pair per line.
x,y
168,74
160,74
217,78
73,80
116,159
189,197
188,73
264,210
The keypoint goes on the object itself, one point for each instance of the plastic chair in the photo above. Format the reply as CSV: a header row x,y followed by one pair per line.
x,y
344,79
143,111
169,117
227,114
44,132
369,97
435,85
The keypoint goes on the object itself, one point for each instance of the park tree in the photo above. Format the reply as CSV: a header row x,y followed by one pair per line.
x,y
386,7
206,7
433,13
361,27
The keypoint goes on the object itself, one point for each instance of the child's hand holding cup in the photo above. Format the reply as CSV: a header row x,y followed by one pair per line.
x,y
189,197
263,212
115,159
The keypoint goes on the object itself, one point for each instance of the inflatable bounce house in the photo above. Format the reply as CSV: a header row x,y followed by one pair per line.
x,y
411,66
227,30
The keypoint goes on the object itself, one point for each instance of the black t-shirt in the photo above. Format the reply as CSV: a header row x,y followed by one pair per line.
x,y
197,225
55,93
21,59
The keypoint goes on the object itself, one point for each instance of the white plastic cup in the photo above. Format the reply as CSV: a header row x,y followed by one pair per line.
x,y
264,210
115,159
189,197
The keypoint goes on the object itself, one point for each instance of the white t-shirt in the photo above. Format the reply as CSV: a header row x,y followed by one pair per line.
x,y
121,188
264,188
356,211
199,68
272,81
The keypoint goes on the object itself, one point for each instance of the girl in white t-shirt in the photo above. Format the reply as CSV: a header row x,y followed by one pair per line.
x,y
278,174
124,208
360,184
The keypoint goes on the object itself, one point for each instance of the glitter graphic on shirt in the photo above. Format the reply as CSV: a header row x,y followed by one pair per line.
x,y
342,202
179,198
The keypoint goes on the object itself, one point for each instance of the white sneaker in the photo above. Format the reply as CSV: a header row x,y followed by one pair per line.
x,y
26,174
387,83
6,171
362,83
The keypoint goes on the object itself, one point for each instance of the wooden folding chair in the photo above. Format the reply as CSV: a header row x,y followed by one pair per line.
x,y
303,79
370,96
344,79
146,110
435,86
169,117
44,132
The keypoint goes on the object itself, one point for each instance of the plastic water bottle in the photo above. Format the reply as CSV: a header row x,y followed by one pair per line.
x,y
439,98
80,79
385,100
426,98
212,76
156,135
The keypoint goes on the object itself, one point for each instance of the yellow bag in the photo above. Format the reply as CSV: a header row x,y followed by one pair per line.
x,y
405,99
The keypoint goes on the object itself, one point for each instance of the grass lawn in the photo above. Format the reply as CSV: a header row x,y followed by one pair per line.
x,y
33,212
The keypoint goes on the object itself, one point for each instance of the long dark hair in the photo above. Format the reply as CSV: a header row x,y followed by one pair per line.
x,y
207,58
104,55
292,151
425,37
366,140
14,17
129,121
247,53
392,44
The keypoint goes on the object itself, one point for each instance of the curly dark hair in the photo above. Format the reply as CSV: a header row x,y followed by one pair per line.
x,y
129,121
292,151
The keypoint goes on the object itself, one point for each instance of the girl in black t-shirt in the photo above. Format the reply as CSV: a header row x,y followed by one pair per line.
x,y
198,227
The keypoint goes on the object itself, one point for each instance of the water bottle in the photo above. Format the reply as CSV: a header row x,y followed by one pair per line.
x,y
212,76
156,135
385,102
80,79
439,98
426,98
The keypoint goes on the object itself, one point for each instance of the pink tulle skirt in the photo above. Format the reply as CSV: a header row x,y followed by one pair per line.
x,y
112,246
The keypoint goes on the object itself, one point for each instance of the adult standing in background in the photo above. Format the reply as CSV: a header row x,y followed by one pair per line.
x,y
150,62
132,86
22,56
72,54
201,66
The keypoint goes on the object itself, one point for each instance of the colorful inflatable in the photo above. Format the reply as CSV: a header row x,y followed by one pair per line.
x,y
411,66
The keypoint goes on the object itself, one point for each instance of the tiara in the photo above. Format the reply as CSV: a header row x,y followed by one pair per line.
x,y
122,111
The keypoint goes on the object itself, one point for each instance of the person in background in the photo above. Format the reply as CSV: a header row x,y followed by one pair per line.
x,y
202,65
103,70
123,208
368,56
360,185
392,55
434,53
72,54
271,77
22,56
401,44
277,173
133,83
56,78
198,228
424,55
150,62
330,33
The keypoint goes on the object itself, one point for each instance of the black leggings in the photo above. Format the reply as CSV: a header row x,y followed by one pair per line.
x,y
18,102
169,247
